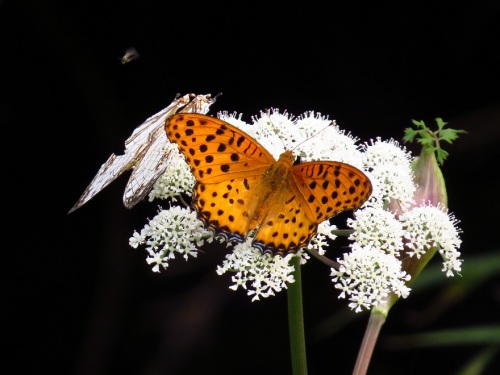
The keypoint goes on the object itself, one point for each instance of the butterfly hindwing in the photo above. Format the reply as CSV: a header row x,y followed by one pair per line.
x,y
314,192
228,207
145,174
329,188
286,227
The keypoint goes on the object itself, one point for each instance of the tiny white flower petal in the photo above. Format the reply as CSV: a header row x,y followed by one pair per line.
x,y
136,240
319,241
232,118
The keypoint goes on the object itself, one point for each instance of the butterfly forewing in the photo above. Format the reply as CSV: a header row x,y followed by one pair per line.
x,y
215,150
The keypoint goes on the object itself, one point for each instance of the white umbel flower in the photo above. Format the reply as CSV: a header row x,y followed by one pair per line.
x,y
261,275
371,270
367,276
176,230
376,227
430,226
177,178
390,171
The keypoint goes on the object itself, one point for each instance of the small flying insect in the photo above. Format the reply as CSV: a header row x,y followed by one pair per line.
x,y
130,55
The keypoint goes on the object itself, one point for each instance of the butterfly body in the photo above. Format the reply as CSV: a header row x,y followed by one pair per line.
x,y
241,187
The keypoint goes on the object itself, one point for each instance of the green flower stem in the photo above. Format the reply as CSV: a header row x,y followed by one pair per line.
x,y
375,323
296,321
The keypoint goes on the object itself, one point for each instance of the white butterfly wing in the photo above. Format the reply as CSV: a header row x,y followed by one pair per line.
x,y
144,153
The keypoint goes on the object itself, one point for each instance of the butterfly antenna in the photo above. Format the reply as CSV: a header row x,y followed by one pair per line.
x,y
275,129
314,135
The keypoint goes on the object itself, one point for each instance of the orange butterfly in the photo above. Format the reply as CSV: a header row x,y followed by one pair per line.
x,y
241,187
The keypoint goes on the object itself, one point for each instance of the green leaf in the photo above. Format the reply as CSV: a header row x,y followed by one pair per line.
x,y
440,123
409,135
450,135
441,156
418,123
430,139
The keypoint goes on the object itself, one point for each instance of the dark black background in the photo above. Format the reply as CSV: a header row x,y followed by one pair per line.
x,y
76,299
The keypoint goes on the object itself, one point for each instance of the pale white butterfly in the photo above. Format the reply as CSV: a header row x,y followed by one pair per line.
x,y
144,153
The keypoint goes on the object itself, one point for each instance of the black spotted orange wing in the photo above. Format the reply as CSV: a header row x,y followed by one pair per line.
x,y
241,187
311,193
228,166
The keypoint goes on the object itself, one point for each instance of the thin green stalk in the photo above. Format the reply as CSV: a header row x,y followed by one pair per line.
x,y
296,321
375,323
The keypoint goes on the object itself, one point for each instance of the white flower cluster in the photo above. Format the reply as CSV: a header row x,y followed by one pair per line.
x,y
367,275
176,230
377,228
371,270
177,178
429,226
390,171
261,275
413,234
312,136
319,241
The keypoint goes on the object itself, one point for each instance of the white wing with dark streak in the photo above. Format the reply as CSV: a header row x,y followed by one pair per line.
x,y
144,153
